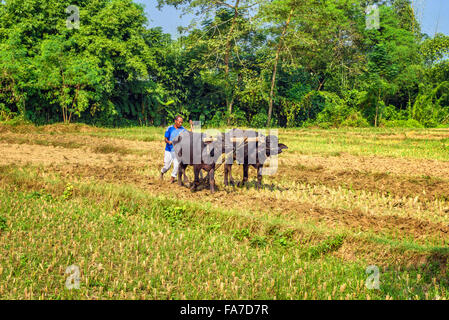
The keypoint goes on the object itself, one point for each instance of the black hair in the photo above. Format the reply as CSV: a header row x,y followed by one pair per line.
x,y
177,117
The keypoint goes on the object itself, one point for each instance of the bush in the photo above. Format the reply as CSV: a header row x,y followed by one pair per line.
x,y
325,125
356,120
238,118
5,113
218,120
259,120
17,121
335,110
430,105
410,123
390,113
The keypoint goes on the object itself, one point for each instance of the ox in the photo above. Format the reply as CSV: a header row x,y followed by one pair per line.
x,y
191,149
248,148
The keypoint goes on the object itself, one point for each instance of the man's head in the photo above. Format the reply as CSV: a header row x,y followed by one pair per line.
x,y
178,122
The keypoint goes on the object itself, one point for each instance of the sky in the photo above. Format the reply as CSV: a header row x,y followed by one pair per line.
x,y
169,19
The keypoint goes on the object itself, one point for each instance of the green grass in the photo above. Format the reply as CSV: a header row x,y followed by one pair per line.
x,y
332,142
364,143
133,240
146,134
130,244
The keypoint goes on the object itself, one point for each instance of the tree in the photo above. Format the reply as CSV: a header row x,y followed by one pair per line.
x,y
72,70
280,12
15,76
72,79
435,49
223,44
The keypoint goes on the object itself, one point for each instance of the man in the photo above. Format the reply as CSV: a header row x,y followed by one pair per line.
x,y
169,156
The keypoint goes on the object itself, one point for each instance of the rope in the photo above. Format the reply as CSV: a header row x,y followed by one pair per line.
x,y
242,143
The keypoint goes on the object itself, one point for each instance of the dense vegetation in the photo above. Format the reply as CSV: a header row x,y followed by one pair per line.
x,y
285,63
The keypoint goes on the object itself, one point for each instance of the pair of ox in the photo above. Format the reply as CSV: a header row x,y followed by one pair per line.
x,y
246,147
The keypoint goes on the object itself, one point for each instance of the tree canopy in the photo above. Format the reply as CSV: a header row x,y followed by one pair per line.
x,y
284,63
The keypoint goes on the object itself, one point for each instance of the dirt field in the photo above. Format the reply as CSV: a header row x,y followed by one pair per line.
x,y
392,210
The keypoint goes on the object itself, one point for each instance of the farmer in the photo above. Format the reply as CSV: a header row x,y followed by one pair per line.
x,y
169,157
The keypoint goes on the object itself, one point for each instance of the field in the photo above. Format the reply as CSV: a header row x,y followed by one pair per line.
x,y
341,201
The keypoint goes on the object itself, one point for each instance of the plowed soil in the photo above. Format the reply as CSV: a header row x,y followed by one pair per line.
x,y
138,163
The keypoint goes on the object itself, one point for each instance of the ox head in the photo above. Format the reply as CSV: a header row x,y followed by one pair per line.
x,y
273,146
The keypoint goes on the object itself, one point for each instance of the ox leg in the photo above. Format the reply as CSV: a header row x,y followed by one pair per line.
x,y
231,179
181,170
225,175
227,170
245,175
206,180
259,175
185,178
211,175
196,181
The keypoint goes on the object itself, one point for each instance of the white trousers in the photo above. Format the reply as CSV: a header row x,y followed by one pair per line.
x,y
170,157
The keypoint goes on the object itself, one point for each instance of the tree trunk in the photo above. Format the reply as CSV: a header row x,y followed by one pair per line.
x,y
321,85
230,102
64,117
63,103
276,59
377,110
143,109
73,102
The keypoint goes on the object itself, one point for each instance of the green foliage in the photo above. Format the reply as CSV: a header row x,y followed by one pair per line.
x,y
68,192
431,107
237,118
436,48
329,245
355,119
174,215
3,225
241,234
218,120
5,113
50,70
259,120
34,195
410,123
337,113
116,71
390,113
258,241
283,241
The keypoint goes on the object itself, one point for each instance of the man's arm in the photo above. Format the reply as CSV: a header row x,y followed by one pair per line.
x,y
167,141
166,136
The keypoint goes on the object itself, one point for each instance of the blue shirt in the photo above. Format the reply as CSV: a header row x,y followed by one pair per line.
x,y
170,134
